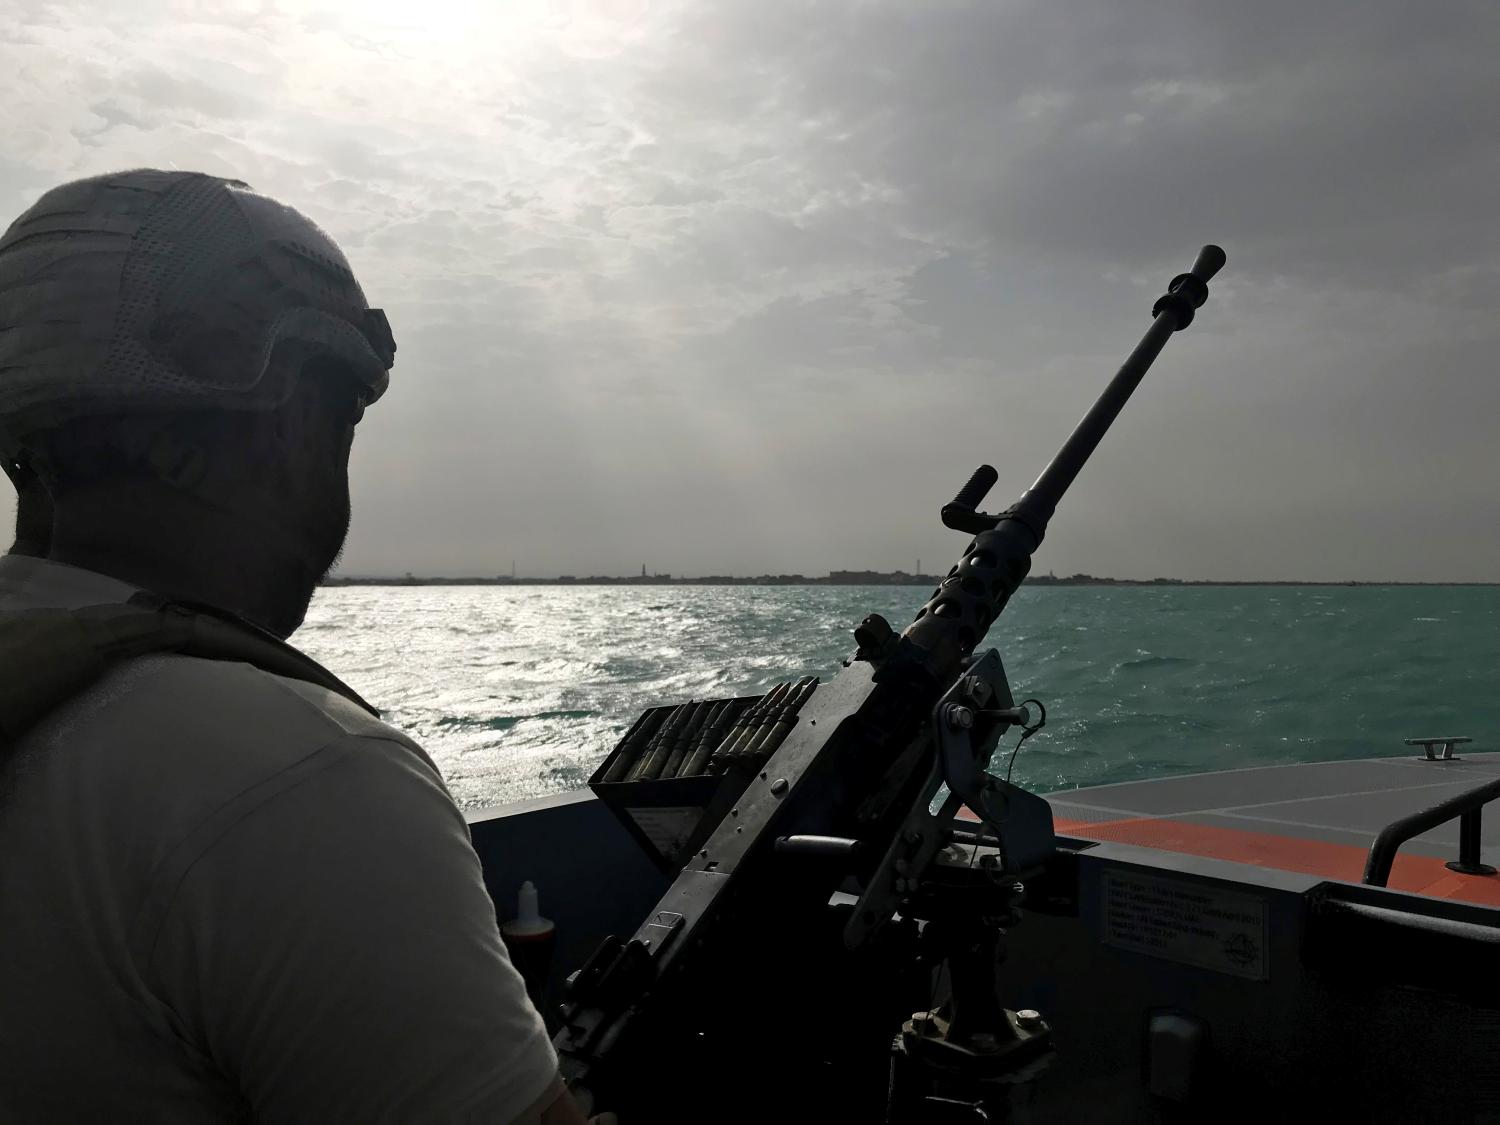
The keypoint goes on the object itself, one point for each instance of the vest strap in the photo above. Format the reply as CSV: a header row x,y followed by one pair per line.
x,y
48,656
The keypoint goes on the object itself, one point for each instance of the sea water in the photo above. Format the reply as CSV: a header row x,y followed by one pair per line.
x,y
520,691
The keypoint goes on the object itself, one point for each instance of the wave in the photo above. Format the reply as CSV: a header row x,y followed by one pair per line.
x,y
504,722
1180,680
1154,662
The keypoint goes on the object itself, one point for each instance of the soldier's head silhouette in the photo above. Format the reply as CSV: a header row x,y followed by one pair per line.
x,y
182,362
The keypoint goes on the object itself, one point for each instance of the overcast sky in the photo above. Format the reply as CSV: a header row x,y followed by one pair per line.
x,y
742,286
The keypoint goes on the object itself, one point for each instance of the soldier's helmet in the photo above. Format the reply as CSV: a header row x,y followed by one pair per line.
x,y
161,291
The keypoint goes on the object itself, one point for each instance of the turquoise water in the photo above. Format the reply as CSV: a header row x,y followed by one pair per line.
x,y
520,692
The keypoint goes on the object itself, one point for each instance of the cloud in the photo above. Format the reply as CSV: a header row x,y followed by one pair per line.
x,y
751,286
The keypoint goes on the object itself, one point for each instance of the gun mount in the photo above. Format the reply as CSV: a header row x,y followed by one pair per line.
x,y
756,970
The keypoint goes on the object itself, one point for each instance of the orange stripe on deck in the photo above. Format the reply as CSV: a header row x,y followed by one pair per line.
x,y
1418,874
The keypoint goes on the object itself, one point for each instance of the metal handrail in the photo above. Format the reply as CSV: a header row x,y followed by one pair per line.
x,y
1467,806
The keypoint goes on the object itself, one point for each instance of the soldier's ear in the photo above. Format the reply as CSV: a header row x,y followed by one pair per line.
x,y
33,508
176,459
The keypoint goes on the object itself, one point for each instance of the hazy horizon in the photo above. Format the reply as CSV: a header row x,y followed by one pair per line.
x,y
585,576
745,287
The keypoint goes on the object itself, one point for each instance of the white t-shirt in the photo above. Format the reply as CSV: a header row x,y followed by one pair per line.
x,y
227,895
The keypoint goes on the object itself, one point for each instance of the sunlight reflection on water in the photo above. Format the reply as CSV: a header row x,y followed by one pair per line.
x,y
520,692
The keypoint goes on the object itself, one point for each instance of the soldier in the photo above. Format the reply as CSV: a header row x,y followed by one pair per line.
x,y
226,893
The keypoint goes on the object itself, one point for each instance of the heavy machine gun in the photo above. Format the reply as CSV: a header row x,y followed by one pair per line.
x,y
791,970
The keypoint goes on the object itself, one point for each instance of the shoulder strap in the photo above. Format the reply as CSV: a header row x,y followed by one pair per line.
x,y
218,635
47,656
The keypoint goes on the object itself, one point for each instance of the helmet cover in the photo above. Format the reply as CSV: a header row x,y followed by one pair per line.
x,y
160,291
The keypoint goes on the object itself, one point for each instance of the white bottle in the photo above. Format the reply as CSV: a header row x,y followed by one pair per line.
x,y
528,925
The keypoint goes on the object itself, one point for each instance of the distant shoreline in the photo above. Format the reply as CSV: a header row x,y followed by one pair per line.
x,y
839,578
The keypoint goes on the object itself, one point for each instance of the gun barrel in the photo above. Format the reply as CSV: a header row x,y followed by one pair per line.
x,y
1172,312
967,602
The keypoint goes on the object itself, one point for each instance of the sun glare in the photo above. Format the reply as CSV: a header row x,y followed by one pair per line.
x,y
582,28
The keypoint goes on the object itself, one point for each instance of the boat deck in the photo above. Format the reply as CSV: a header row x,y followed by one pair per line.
x,y
1210,903
1316,819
